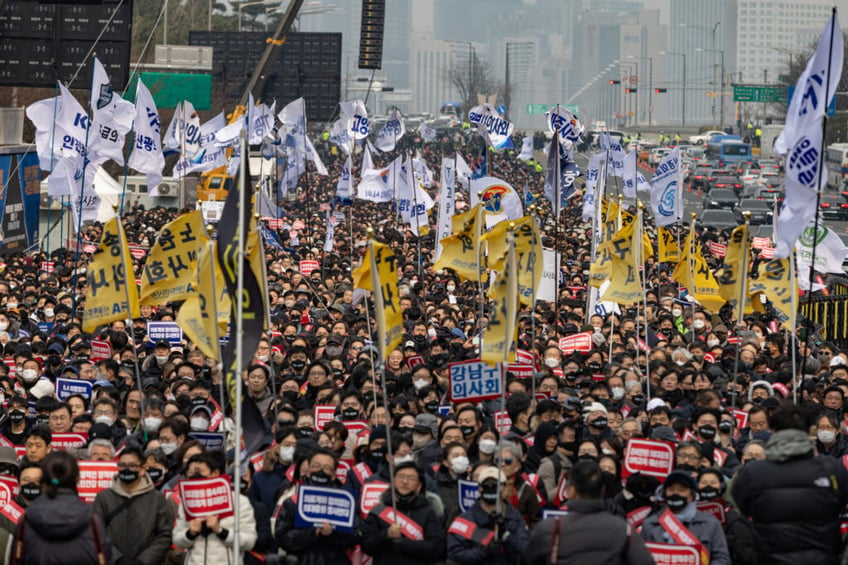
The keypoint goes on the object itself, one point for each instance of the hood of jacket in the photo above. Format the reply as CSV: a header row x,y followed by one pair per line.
x,y
60,518
788,444
146,485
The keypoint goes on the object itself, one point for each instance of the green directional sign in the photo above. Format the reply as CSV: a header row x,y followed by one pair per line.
x,y
759,94
537,108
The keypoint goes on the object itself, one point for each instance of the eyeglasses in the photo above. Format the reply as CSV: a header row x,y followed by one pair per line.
x,y
130,466
405,478
504,461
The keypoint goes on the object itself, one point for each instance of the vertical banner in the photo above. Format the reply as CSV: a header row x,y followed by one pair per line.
x,y
13,236
447,202
378,274
30,178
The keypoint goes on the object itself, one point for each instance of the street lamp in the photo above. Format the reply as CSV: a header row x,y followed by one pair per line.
x,y
261,3
683,100
635,90
650,86
721,93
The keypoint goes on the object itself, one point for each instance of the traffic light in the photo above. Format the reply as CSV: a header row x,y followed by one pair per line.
x,y
629,90
615,81
660,90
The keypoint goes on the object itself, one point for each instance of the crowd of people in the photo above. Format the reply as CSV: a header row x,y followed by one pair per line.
x,y
719,391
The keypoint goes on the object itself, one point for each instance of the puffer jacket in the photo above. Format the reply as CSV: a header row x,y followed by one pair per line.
x,y
503,551
794,500
211,549
141,530
404,551
61,530
707,529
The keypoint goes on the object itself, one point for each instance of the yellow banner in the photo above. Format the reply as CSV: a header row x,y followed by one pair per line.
x,y
499,339
775,282
693,273
112,292
667,246
171,263
732,273
198,314
528,254
381,279
460,250
625,287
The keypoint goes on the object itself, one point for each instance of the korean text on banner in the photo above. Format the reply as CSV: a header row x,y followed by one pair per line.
x,y
316,505
206,497
649,457
167,275
95,476
472,381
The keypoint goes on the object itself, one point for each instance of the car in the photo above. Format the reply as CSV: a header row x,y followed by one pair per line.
x,y
656,155
723,181
704,138
700,173
769,178
768,193
769,165
761,212
833,207
721,198
719,219
749,176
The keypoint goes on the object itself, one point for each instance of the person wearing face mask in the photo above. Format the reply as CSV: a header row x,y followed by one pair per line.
x,y
138,518
416,536
705,428
425,435
298,357
737,531
29,484
453,467
482,445
159,356
16,425
597,424
681,523
30,377
314,544
829,439
472,535
372,458
553,468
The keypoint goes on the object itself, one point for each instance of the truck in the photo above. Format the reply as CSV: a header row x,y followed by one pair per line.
x,y
769,134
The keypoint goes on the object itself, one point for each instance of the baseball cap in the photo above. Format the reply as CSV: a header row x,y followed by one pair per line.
x,y
491,473
681,478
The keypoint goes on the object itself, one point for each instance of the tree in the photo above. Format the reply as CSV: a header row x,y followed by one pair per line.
x,y
473,77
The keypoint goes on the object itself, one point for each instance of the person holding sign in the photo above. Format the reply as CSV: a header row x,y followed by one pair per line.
x,y
681,523
319,544
481,535
411,532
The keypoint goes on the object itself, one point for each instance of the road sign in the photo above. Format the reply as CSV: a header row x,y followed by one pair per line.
x,y
759,94
573,108
537,108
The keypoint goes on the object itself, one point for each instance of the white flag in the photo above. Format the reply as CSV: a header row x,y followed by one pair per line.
x,y
378,185
146,156
412,200
356,115
293,118
564,121
295,166
616,155
330,240
526,148
829,249
340,135
463,171
261,122
344,188
392,131
184,133
427,133
550,276
632,180
112,118
211,155
495,127
421,170
367,162
593,172
666,190
447,202
43,116
500,200
313,156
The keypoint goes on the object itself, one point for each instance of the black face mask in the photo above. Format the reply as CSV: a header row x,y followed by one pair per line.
x,y
289,338
405,498
438,359
686,468
570,446
30,491
319,478
432,407
676,501
594,367
128,475
337,373
156,474
707,432
195,402
304,432
350,414
378,454
638,399
466,430
587,457
291,395
196,476
709,493
599,423
419,338
42,420
17,416
298,364
138,333
725,427
489,494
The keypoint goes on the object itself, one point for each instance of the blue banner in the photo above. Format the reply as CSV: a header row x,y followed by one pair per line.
x,y
65,388
169,331
468,494
210,440
316,505
30,179
553,513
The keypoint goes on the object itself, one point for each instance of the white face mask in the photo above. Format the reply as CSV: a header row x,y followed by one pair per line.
x,y
151,424
168,448
459,465
699,324
104,420
680,362
712,343
419,384
161,359
617,392
29,375
450,288
677,312
48,312
404,459
4,326
487,446
199,424
263,358
552,362
826,436
286,454
11,305
431,333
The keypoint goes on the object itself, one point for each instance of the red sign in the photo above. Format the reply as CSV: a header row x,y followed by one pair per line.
x,y
69,441
274,223
520,371
355,427
137,251
323,414
94,477
767,253
11,482
309,265
48,266
257,459
523,357
577,342
6,494
715,509
206,497
414,360
502,422
649,457
341,471
370,496
100,350
717,249
760,242
741,418
667,554
298,225
10,362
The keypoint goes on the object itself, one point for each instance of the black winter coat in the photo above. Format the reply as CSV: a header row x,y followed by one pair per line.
x,y
404,551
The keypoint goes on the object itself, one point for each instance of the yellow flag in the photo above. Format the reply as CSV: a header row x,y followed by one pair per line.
x,y
170,266
667,246
775,282
499,339
460,250
624,287
200,312
381,279
528,254
732,274
693,273
112,292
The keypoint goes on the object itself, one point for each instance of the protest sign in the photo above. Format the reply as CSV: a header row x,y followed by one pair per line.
x,y
6,494
322,414
210,440
472,381
649,457
553,513
577,342
316,505
65,388
206,497
11,482
502,421
715,509
468,494
355,427
169,331
667,554
369,497
309,265
520,370
69,441
741,418
100,350
95,476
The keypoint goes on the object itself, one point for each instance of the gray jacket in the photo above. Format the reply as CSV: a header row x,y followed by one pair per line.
x,y
707,529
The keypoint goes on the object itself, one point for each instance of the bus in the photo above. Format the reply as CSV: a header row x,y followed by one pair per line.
x,y
836,162
728,151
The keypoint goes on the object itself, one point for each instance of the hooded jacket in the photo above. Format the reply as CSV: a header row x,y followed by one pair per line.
x,y
794,499
211,549
60,530
707,529
139,523
404,551
537,452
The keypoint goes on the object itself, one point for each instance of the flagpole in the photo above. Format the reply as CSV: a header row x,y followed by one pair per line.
x,y
52,159
600,190
478,228
308,225
640,218
532,210
557,196
210,229
821,164
740,304
242,239
793,320
260,241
